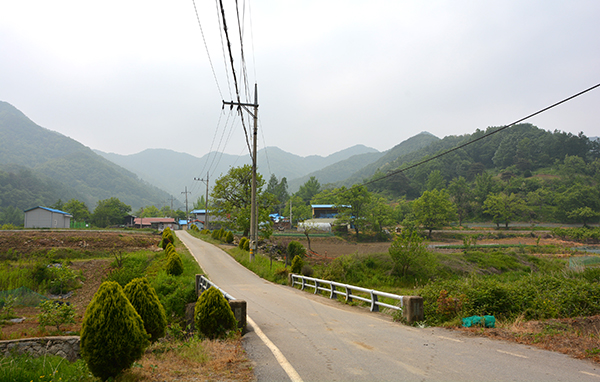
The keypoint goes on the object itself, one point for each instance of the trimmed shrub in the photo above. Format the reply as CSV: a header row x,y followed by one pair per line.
x,y
228,237
112,333
167,237
295,248
243,242
297,264
213,315
174,264
145,301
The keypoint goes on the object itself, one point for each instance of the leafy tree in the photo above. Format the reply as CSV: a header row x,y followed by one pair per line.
x,y
55,313
504,208
461,196
584,215
307,228
300,210
434,209
59,205
575,197
232,198
309,189
380,214
353,206
12,215
112,332
78,209
110,212
328,196
435,181
408,252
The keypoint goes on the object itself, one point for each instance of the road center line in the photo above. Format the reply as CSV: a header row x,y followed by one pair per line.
x,y
287,367
449,339
592,374
513,354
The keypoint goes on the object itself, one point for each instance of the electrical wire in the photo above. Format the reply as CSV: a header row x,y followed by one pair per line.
x,y
392,173
206,47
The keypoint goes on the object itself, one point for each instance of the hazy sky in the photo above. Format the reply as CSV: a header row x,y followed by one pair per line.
x,y
124,76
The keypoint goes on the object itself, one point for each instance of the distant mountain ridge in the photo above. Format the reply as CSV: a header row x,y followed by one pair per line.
x,y
173,171
25,146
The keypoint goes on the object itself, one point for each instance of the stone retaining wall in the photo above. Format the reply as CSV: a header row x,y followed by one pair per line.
x,y
66,347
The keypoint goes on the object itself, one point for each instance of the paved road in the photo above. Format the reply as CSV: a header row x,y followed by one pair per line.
x,y
328,341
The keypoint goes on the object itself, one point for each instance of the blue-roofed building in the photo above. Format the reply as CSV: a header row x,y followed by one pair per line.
x,y
324,211
44,217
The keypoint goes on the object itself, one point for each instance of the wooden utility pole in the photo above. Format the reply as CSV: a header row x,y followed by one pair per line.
x,y
206,201
253,208
187,214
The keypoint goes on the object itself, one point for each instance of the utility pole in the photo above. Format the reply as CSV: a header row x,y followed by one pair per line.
x,y
253,209
187,214
206,202
171,199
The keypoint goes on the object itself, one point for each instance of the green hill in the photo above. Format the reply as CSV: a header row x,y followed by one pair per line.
x,y
39,166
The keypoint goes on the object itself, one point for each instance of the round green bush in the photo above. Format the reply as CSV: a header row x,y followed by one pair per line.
x,y
295,248
229,237
145,301
247,245
297,264
242,242
112,333
174,264
170,248
212,315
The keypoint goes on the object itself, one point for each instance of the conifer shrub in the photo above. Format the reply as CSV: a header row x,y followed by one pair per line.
x,y
247,245
205,231
145,301
229,237
112,332
297,264
174,264
167,237
295,248
242,242
212,315
170,248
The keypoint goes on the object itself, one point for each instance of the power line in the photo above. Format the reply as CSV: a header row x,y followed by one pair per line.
x,y
392,173
206,47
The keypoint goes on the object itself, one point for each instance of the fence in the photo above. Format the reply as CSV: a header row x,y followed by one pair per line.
x,y
410,306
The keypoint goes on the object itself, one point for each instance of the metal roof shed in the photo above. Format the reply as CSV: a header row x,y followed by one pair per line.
x,y
44,217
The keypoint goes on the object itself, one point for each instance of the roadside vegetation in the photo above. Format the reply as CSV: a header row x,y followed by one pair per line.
x,y
175,351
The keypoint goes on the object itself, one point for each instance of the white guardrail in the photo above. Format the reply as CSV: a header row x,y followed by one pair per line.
x,y
203,283
347,291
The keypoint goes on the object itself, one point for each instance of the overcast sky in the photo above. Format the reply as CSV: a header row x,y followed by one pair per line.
x,y
123,76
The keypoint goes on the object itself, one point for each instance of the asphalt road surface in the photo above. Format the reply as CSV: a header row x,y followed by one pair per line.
x,y
302,337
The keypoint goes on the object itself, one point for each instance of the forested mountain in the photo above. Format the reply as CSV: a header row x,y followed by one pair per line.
x,y
518,151
173,171
39,166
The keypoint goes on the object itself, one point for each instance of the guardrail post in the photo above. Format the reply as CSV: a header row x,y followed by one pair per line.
x,y
348,294
412,309
332,295
316,286
374,306
198,281
303,283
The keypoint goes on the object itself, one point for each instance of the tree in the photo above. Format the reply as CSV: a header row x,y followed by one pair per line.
x,y
279,189
353,206
584,215
309,189
504,208
78,209
110,212
307,228
407,250
300,210
112,332
199,204
145,301
231,196
435,181
461,196
434,209
213,315
380,214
